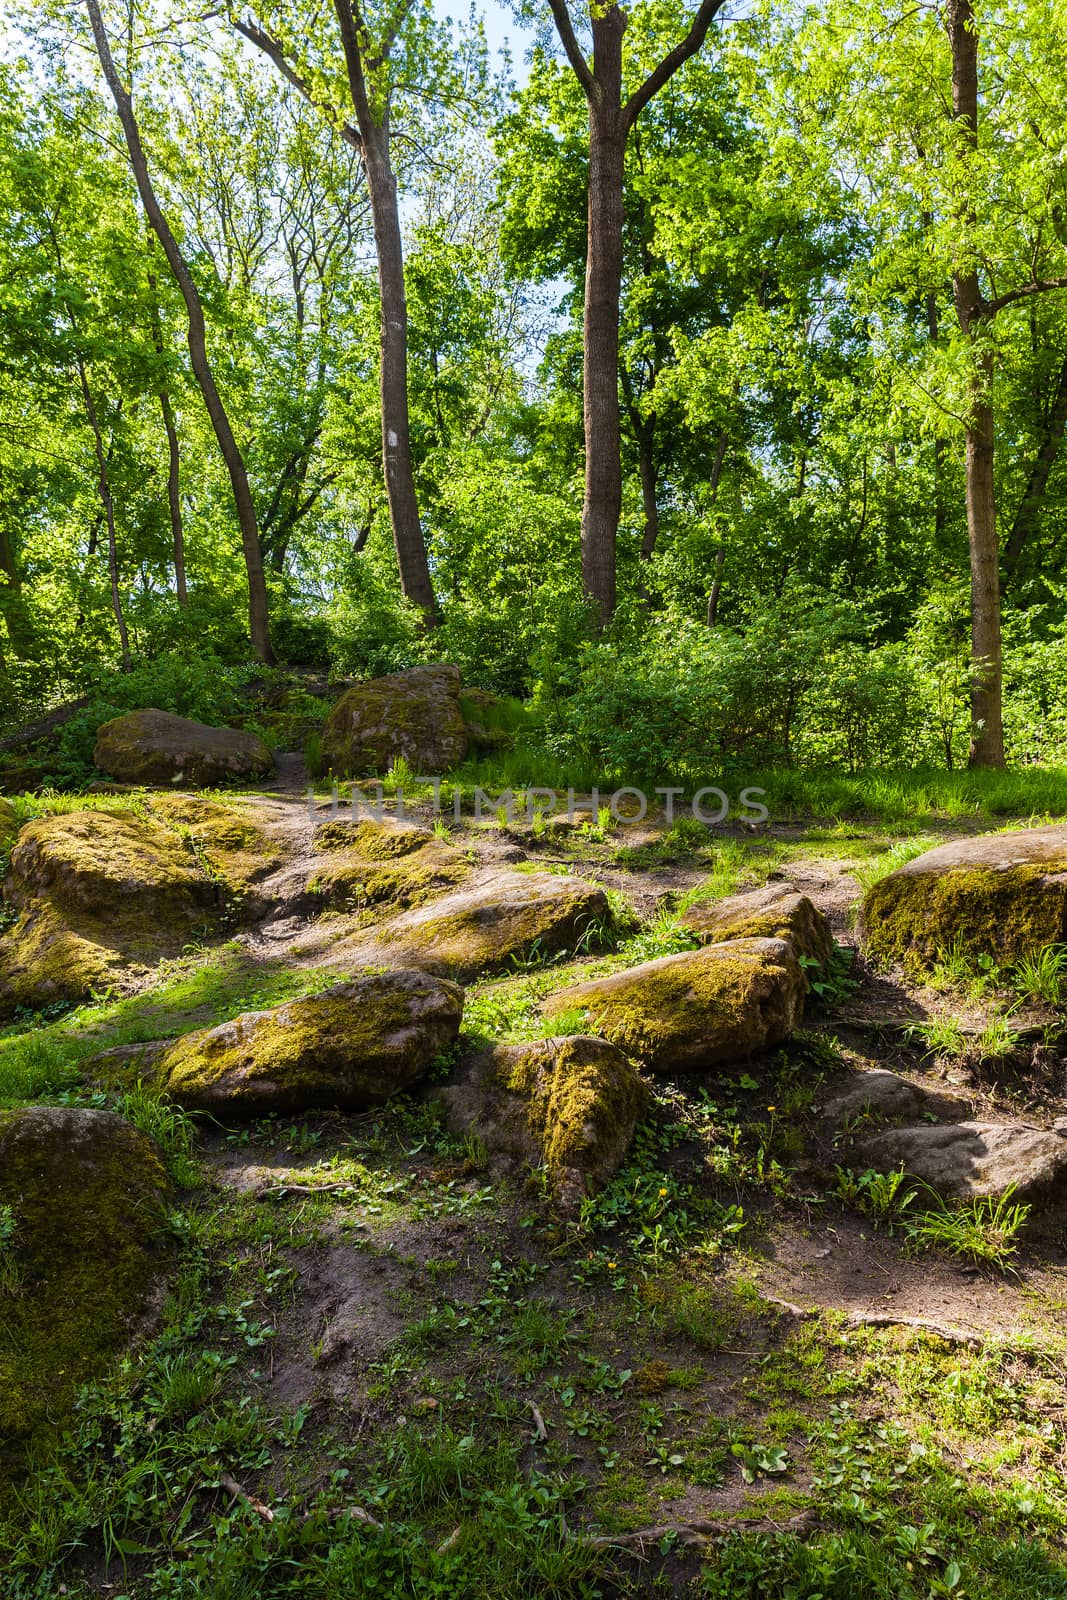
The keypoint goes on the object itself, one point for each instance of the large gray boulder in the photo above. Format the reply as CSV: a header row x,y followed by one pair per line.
x,y
698,1010
1000,894
414,714
351,1046
156,747
968,1160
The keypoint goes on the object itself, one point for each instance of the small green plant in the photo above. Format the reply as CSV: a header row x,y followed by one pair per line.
x,y
942,1037
10,1276
984,1231
882,1196
760,1460
1040,978
833,980
168,1125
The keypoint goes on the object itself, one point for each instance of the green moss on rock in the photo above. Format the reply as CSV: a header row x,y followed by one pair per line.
x,y
90,1247
413,714
700,1009
511,917
1002,895
351,1046
569,1105
774,912
366,836
348,880
9,823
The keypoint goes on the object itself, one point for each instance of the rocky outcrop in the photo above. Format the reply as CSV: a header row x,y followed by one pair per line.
x,y
414,714
100,894
369,863
774,912
880,1095
694,1011
156,747
1000,894
510,918
83,1253
350,1046
567,1105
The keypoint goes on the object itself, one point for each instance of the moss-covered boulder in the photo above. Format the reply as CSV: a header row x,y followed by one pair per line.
x,y
9,823
156,747
567,1105
1000,894
697,1010
84,1248
368,863
414,714
508,918
101,894
351,1046
774,912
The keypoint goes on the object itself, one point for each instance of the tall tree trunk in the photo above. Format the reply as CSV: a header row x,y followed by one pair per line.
x,y
646,465
411,557
987,728
603,287
933,323
1029,512
258,615
174,460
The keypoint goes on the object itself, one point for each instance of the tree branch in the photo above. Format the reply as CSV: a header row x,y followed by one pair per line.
x,y
274,52
564,28
1012,296
671,62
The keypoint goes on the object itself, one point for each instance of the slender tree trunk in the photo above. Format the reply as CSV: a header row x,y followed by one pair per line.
x,y
987,728
603,288
1029,512
411,557
258,614
646,466
103,483
412,560
174,460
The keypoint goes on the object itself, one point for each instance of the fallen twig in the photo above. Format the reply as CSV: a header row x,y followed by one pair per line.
x,y
887,1319
228,1482
539,1421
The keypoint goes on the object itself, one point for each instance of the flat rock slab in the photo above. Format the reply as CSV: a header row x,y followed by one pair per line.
x,y
698,1010
1000,894
351,1046
774,912
568,1105
414,714
90,1247
968,1160
882,1094
507,919
367,863
156,747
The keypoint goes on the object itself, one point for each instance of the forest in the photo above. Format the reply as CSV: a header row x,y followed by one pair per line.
x,y
811,270
533,778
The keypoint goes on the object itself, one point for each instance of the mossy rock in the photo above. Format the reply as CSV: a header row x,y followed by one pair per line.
x,y
698,1010
351,1046
569,1105
376,840
774,912
9,823
101,895
347,880
1001,894
156,747
225,839
414,714
85,1194
510,918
